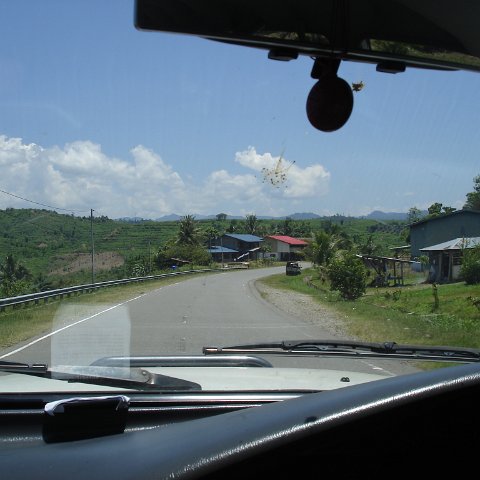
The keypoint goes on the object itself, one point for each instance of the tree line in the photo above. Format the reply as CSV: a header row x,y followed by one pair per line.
x,y
472,203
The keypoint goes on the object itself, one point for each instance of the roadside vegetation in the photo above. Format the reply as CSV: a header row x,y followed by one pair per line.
x,y
51,250
417,313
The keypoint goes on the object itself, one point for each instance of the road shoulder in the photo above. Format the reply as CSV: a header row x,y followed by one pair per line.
x,y
303,307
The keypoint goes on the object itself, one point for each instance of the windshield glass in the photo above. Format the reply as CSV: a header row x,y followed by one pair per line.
x,y
165,196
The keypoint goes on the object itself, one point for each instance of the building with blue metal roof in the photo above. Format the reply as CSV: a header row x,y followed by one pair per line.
x,y
223,254
244,237
442,228
245,245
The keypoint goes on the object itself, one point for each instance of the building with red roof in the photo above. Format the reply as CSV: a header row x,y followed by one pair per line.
x,y
283,247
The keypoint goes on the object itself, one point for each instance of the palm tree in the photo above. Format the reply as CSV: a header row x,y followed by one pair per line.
x,y
327,245
188,233
323,247
210,234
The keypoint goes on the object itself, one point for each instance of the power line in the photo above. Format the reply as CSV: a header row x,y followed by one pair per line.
x,y
42,204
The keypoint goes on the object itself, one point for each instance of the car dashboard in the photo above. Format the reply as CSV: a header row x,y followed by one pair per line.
x,y
421,423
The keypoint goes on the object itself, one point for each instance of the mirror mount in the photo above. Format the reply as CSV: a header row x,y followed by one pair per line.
x,y
324,66
330,101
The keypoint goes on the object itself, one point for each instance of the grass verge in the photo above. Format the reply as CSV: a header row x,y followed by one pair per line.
x,y
409,314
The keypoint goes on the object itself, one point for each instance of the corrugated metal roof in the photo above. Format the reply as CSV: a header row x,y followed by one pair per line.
x,y
389,259
218,249
245,237
455,244
287,239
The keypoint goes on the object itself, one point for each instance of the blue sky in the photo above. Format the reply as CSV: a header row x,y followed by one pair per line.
x,y
95,114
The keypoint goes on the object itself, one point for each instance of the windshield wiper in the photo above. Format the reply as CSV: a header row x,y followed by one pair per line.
x,y
39,369
345,348
119,377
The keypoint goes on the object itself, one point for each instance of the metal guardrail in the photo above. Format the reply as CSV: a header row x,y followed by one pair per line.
x,y
67,291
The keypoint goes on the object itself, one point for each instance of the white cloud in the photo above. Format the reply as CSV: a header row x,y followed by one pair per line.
x,y
80,176
291,180
251,159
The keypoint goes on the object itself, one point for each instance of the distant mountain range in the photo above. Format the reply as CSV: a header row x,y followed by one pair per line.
x,y
375,215
294,216
379,215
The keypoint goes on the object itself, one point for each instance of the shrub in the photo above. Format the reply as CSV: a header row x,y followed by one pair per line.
x,y
348,275
194,254
14,288
470,270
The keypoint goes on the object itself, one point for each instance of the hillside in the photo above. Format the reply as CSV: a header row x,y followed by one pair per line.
x,y
47,242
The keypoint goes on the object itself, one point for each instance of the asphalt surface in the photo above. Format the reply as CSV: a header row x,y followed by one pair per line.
x,y
212,310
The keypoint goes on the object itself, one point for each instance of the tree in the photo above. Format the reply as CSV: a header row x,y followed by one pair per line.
x,y
322,248
210,234
12,271
288,226
188,233
251,223
221,217
194,254
448,210
232,228
473,198
414,215
369,247
327,244
302,229
435,209
348,275
14,278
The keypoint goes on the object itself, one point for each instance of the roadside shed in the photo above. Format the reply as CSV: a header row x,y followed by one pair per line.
x,y
446,258
389,271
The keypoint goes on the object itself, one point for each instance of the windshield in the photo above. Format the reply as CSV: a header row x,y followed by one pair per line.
x,y
164,197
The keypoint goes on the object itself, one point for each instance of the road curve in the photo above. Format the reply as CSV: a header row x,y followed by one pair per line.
x,y
210,310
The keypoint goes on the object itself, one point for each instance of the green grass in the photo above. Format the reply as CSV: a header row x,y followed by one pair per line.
x,y
401,314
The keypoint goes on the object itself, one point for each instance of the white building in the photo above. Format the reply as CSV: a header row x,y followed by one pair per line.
x,y
283,247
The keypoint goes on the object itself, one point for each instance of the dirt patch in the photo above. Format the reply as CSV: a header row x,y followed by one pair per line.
x,y
304,307
75,262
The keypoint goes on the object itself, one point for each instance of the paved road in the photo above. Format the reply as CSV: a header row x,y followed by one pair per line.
x,y
214,310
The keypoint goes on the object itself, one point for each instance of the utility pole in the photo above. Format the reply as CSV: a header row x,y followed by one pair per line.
x,y
149,258
93,246
221,247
